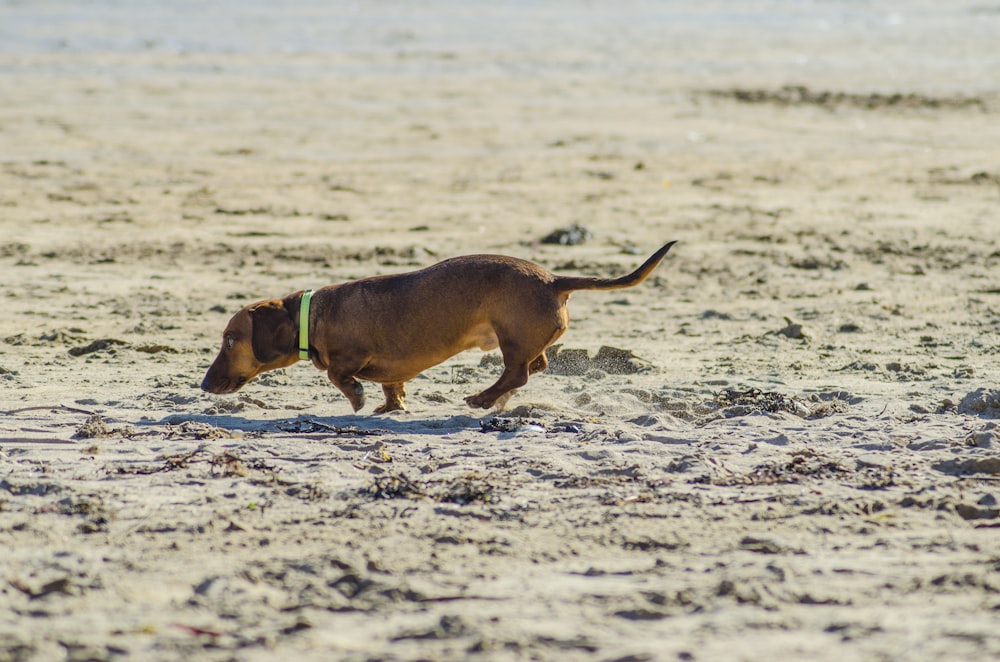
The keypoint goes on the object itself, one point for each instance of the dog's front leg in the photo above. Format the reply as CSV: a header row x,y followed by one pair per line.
x,y
350,387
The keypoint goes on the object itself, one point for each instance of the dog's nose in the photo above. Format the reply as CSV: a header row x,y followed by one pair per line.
x,y
204,385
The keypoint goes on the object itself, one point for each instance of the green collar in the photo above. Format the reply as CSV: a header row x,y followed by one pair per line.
x,y
304,325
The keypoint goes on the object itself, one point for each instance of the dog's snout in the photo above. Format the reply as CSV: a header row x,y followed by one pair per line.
x,y
216,383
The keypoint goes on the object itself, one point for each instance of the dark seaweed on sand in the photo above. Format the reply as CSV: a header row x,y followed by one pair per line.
x,y
469,488
764,401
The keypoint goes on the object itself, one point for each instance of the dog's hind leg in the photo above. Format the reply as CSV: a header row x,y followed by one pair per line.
x,y
523,347
540,363
518,364
515,375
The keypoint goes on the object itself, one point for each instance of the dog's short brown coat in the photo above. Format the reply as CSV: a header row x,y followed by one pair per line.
x,y
389,329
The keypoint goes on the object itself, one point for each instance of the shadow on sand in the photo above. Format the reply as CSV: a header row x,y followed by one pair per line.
x,y
351,425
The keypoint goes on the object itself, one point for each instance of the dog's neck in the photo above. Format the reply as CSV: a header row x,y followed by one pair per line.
x,y
304,325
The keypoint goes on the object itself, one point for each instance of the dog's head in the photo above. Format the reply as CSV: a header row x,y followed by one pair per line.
x,y
259,338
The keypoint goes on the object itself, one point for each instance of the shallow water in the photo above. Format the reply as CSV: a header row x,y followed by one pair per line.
x,y
893,45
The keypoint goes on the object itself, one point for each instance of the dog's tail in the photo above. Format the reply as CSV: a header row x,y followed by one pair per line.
x,y
570,283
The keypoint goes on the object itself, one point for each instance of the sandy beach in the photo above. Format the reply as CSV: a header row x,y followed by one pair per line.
x,y
800,458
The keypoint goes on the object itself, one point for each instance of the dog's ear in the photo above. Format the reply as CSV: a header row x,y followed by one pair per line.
x,y
274,332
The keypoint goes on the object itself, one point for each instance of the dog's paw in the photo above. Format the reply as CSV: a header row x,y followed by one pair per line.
x,y
358,401
477,402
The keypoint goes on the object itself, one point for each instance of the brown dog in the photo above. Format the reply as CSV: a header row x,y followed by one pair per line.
x,y
389,329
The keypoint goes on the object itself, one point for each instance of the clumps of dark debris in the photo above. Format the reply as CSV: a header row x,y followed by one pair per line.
x,y
755,401
800,95
103,345
71,335
310,426
392,486
472,487
155,348
497,424
518,420
801,464
196,430
221,465
806,463
510,424
734,402
568,236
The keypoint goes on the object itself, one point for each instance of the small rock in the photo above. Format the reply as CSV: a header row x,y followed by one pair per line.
x,y
966,511
792,330
761,545
568,236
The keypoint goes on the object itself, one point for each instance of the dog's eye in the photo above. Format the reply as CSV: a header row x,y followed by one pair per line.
x,y
229,342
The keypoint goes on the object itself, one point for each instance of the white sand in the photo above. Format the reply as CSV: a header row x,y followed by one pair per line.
x,y
826,493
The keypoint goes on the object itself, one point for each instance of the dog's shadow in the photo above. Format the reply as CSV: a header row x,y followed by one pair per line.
x,y
345,426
